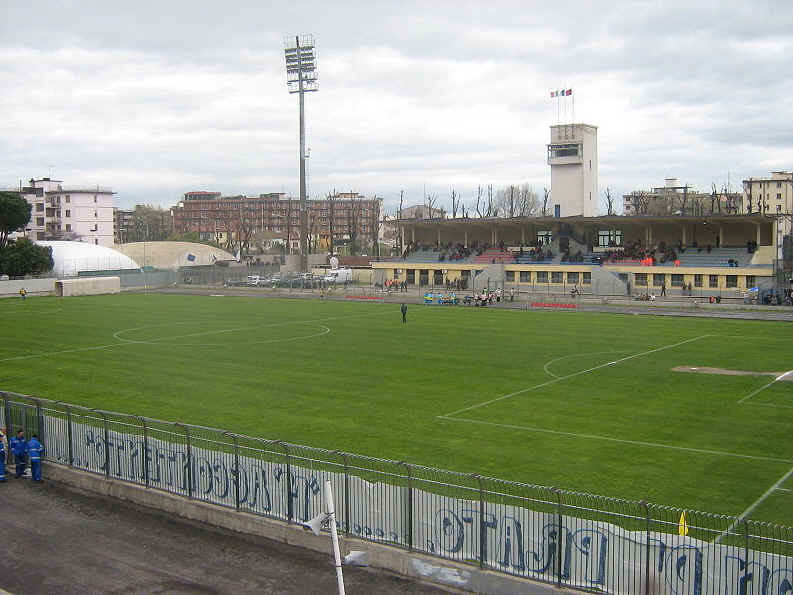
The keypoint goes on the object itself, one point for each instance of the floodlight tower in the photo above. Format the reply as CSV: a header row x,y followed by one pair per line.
x,y
301,77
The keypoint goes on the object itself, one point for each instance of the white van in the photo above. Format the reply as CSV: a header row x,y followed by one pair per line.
x,y
338,276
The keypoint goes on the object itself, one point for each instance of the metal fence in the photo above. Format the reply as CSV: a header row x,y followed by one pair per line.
x,y
571,539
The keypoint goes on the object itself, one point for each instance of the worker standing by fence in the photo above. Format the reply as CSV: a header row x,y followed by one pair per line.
x,y
19,446
36,449
2,458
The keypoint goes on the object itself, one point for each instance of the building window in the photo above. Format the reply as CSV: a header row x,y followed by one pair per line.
x,y
438,278
96,214
525,276
68,198
749,281
641,279
94,197
411,276
658,280
39,221
68,227
697,280
572,278
542,276
68,213
544,237
587,278
732,281
396,273
609,237
40,235
39,207
677,280
556,277
713,281
96,240
510,276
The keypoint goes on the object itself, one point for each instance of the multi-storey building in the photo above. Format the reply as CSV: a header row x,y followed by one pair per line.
x,y
348,216
769,196
64,213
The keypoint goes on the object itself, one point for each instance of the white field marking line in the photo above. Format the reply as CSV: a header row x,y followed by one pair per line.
x,y
755,504
759,390
117,334
619,440
770,405
123,342
558,359
784,490
326,331
31,356
573,375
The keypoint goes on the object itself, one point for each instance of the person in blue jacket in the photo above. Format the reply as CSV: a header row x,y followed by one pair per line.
x,y
2,459
35,450
19,446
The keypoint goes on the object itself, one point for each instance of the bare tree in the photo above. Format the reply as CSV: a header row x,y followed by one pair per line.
x,y
546,193
430,200
609,202
401,246
490,197
375,225
478,199
354,224
455,204
528,202
331,219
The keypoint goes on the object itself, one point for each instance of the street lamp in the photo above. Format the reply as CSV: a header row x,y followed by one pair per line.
x,y
301,77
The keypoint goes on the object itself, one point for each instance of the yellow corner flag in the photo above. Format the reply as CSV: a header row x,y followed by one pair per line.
x,y
682,526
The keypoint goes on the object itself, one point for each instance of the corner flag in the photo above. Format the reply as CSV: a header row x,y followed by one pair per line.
x,y
682,526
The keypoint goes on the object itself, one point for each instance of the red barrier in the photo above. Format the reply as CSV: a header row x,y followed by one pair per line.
x,y
553,305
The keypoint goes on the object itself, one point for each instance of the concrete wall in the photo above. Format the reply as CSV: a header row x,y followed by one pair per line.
x,y
32,286
417,566
87,286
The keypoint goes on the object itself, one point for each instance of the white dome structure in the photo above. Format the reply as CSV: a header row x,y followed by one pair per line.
x,y
73,258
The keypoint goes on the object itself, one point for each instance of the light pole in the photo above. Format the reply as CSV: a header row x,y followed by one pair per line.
x,y
301,77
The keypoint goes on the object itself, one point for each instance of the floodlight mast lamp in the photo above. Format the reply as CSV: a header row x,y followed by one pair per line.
x,y
301,78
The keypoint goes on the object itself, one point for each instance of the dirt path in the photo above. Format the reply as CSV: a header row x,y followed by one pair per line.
x,y
61,541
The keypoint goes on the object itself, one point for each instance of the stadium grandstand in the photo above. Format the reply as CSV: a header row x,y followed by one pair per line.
x,y
643,253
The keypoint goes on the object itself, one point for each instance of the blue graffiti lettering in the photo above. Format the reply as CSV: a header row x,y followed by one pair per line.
x,y
449,532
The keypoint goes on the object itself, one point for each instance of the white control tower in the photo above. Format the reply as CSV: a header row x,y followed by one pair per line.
x,y
573,157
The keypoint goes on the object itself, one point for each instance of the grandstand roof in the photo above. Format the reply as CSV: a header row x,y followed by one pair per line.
x,y
602,219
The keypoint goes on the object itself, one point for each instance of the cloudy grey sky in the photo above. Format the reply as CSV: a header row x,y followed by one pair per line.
x,y
159,98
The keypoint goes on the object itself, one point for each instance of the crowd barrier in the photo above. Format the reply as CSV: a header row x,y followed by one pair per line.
x,y
574,540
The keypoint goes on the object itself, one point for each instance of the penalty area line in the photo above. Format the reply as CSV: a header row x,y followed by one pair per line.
x,y
573,375
755,504
703,451
761,389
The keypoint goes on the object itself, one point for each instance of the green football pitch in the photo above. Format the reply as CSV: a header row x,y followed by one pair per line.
x,y
669,410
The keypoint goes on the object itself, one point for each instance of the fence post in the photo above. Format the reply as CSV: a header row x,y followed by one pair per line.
x,y
145,451
346,491
69,432
289,503
410,504
236,470
558,569
106,434
482,532
745,524
40,422
189,461
647,549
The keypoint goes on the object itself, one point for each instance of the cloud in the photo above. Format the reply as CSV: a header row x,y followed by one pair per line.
x,y
156,99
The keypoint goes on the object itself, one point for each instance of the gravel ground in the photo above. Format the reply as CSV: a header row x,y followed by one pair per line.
x,y
62,541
